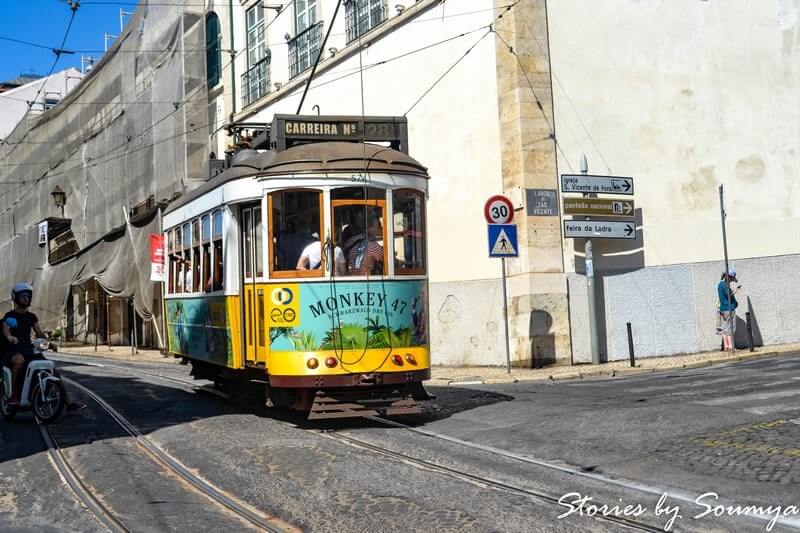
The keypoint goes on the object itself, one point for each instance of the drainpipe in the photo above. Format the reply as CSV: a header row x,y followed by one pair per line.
x,y
233,62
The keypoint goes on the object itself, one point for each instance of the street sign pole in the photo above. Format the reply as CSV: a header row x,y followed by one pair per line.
x,y
590,284
505,318
725,247
499,212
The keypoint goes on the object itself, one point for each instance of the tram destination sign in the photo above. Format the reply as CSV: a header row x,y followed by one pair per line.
x,y
599,229
587,183
289,130
598,207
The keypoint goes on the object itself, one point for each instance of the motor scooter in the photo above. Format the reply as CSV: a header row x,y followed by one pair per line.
x,y
42,392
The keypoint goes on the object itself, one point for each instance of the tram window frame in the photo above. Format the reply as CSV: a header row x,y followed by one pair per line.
x,y
421,228
205,251
196,256
173,261
373,203
217,257
187,258
178,252
272,248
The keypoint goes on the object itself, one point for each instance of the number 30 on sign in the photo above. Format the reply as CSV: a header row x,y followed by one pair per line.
x,y
498,210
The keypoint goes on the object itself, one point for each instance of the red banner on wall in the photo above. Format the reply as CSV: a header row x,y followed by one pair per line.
x,y
157,258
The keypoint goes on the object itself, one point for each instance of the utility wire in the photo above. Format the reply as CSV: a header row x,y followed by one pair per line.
x,y
569,100
73,10
446,72
536,99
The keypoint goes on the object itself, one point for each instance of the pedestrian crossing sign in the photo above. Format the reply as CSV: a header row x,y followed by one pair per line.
x,y
503,240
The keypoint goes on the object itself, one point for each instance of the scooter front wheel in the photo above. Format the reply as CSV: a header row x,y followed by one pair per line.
x,y
48,406
6,410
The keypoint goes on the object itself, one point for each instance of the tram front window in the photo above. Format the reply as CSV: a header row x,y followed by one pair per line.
x,y
409,237
359,234
295,224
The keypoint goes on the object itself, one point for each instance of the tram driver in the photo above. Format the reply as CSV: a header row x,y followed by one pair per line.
x,y
365,255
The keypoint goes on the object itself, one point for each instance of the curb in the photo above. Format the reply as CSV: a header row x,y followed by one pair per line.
x,y
619,372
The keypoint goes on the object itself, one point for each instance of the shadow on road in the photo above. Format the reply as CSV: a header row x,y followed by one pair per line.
x,y
151,406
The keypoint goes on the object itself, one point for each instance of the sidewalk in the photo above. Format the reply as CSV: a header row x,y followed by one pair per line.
x,y
464,375
121,353
472,375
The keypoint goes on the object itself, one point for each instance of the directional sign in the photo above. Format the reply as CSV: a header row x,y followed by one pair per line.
x,y
586,183
498,210
599,229
502,240
598,206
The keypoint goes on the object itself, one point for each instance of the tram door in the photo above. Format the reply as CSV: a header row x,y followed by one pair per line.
x,y
253,287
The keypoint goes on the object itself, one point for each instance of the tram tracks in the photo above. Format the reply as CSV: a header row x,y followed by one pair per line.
x,y
475,479
92,500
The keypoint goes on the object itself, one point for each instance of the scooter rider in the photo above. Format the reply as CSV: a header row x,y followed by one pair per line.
x,y
17,326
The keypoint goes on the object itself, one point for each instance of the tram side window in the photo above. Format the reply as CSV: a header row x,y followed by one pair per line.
x,y
295,224
408,220
196,261
177,271
217,247
205,238
186,278
173,261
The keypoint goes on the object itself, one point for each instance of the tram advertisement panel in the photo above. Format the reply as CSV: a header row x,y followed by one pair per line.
x,y
347,315
199,327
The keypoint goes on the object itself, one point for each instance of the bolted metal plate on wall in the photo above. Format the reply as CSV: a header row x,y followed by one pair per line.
x,y
542,202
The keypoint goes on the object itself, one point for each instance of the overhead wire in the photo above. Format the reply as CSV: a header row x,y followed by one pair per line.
x,y
73,10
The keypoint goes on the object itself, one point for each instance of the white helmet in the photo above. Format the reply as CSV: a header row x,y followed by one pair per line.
x,y
20,288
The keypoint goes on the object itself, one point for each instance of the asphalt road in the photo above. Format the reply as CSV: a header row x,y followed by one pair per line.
x,y
732,430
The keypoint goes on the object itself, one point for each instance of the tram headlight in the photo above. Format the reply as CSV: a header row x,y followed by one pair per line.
x,y
331,362
411,359
397,359
312,363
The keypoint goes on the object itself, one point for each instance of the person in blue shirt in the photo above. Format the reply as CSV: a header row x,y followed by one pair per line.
x,y
727,307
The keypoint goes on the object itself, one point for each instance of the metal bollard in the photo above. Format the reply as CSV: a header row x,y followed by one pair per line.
x,y
630,344
749,332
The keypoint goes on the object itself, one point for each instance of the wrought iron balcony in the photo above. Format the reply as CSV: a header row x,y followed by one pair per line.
x,y
363,15
255,82
303,49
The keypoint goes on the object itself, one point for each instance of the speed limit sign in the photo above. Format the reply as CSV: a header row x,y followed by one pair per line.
x,y
498,210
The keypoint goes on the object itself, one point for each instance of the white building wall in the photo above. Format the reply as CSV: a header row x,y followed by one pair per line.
x,y
13,103
683,95
453,130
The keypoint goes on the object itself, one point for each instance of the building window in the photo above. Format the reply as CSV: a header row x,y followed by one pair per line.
x,y
363,15
255,81
303,49
408,219
295,225
213,50
50,103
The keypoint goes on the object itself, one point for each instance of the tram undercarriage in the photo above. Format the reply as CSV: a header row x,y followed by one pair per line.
x,y
367,395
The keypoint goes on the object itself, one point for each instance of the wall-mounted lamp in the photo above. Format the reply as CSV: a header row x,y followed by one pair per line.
x,y
332,50
400,8
278,85
287,37
60,198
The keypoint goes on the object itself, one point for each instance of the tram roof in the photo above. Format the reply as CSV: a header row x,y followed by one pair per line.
x,y
342,157
308,159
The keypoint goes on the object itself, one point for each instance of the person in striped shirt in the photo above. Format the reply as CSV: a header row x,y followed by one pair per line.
x,y
365,256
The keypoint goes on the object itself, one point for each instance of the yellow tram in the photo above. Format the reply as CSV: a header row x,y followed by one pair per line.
x,y
298,275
